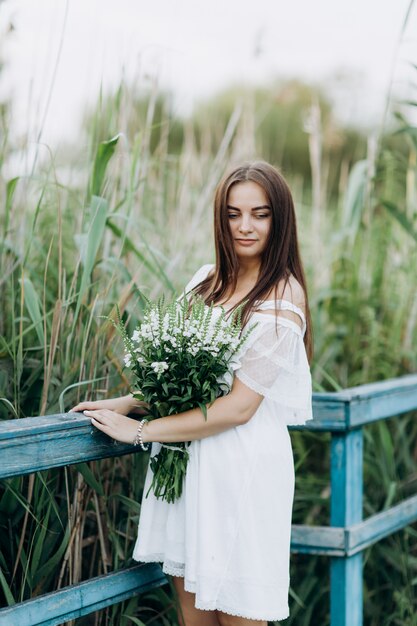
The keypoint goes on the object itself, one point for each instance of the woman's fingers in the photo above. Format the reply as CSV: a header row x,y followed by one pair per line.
x,y
115,425
99,414
81,406
99,420
105,416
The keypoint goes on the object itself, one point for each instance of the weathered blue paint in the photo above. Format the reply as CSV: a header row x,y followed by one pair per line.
x,y
37,443
32,444
346,596
347,541
380,525
318,540
84,598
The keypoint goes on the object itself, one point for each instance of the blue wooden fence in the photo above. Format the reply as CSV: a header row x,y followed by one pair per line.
x,y
38,443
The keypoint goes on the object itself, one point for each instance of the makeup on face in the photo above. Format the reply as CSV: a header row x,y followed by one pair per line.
x,y
250,217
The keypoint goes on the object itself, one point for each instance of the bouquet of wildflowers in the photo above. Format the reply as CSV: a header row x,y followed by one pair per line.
x,y
182,356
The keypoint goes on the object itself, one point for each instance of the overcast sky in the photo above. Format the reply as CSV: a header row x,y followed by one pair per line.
x,y
68,49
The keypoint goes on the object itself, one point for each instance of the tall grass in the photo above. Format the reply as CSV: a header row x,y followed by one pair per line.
x,y
137,214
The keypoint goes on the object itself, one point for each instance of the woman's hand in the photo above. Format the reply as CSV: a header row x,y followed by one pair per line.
x,y
123,405
114,424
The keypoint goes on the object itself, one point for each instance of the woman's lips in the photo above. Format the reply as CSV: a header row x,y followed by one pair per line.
x,y
246,242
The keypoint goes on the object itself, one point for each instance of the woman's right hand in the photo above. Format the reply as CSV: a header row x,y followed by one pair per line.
x,y
123,405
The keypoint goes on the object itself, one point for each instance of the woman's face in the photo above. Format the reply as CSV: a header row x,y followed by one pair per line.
x,y
250,218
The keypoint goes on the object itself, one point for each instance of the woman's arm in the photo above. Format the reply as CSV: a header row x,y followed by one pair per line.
x,y
226,412
235,409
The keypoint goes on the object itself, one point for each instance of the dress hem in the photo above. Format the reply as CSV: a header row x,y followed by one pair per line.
x,y
213,606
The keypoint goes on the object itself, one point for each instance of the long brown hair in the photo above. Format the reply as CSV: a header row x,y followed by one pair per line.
x,y
280,257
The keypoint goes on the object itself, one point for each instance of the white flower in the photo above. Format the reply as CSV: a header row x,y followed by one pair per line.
x,y
128,360
159,366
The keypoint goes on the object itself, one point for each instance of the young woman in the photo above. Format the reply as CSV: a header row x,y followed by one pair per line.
x,y
226,541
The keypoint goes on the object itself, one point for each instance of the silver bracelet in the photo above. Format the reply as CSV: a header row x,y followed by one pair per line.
x,y
138,437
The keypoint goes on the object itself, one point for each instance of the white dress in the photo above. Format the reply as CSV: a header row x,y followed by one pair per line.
x,y
229,533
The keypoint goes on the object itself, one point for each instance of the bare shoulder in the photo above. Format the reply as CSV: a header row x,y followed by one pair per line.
x,y
293,292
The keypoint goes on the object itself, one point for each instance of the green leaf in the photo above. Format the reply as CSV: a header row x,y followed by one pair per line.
x,y
89,478
99,209
128,245
10,189
401,218
203,408
79,384
38,551
135,620
6,589
131,504
51,564
355,197
104,153
10,405
31,299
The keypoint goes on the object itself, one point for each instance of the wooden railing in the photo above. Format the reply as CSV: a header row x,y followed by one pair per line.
x,y
38,443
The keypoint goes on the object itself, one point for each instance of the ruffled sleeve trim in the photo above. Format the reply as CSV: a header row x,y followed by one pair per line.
x,y
274,364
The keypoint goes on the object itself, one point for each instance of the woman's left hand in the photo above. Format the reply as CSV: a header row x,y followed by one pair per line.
x,y
114,424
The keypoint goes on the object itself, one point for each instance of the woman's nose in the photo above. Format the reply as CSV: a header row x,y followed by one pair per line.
x,y
246,224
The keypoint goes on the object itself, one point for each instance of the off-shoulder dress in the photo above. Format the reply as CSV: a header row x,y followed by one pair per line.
x,y
229,533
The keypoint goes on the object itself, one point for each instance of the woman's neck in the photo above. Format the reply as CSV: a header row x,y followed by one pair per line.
x,y
247,278
248,270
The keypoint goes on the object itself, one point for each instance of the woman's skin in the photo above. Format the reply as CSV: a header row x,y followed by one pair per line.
x,y
250,220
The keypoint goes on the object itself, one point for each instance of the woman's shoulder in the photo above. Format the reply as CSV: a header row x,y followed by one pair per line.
x,y
291,291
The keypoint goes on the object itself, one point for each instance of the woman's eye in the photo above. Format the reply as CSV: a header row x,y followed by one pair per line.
x,y
263,215
232,215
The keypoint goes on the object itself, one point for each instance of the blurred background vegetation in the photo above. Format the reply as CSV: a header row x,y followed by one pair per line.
x,y
127,206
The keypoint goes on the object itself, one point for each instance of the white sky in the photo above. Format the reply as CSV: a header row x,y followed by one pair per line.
x,y
196,48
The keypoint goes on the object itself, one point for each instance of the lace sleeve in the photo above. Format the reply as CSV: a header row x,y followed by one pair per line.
x,y
275,365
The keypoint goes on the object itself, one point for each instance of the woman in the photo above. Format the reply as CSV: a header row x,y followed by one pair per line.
x,y
226,541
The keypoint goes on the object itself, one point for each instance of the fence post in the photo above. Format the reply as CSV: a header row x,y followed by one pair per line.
x,y
346,584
